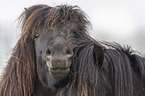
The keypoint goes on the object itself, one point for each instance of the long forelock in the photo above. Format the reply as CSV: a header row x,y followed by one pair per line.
x,y
52,17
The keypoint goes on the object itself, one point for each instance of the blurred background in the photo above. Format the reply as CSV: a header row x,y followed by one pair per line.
x,y
121,21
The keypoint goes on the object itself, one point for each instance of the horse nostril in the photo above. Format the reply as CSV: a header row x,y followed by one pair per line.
x,y
68,51
48,52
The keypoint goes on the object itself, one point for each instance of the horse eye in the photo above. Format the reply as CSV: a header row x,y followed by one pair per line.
x,y
36,35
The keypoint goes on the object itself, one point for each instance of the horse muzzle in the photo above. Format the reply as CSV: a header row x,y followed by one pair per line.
x,y
59,73
58,68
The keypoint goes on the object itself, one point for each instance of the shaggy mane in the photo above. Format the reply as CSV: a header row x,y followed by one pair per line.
x,y
20,72
96,70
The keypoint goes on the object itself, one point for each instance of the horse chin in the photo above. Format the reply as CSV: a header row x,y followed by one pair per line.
x,y
59,74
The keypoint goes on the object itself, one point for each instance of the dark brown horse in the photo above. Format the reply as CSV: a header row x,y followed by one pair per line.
x,y
55,56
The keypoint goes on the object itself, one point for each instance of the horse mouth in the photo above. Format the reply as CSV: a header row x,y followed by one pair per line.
x,y
59,73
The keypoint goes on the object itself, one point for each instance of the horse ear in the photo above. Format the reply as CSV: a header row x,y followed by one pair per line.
x,y
25,9
98,54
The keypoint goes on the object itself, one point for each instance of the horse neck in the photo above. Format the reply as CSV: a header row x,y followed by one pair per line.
x,y
40,90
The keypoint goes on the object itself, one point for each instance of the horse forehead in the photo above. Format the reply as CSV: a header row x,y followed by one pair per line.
x,y
60,35
59,40
62,30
